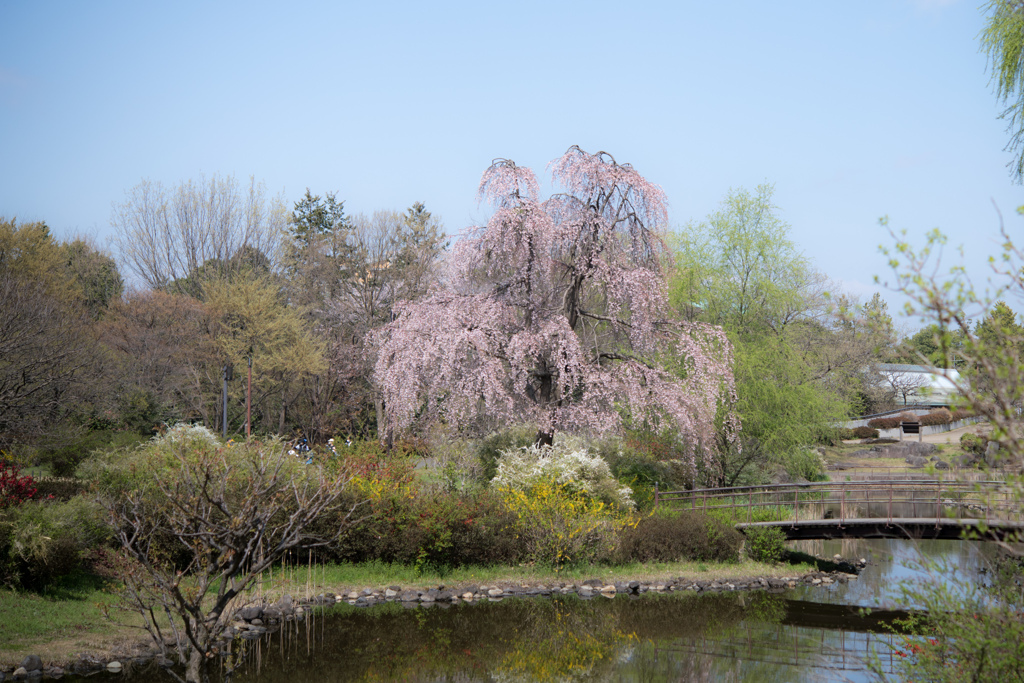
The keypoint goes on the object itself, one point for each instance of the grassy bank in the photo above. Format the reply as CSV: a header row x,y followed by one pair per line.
x,y
71,619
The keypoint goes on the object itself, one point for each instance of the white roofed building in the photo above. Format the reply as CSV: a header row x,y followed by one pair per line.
x,y
922,385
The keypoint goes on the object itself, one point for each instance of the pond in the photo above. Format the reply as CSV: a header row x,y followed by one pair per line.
x,y
800,634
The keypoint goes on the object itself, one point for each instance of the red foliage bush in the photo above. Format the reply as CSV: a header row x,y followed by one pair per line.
x,y
14,490
940,416
893,421
865,433
962,414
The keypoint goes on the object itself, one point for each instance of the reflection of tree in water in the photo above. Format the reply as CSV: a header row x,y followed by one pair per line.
x,y
658,637
563,638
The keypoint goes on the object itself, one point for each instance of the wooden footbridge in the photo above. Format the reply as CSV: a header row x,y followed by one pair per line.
x,y
921,508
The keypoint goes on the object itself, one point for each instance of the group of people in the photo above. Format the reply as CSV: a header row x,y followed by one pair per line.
x,y
300,448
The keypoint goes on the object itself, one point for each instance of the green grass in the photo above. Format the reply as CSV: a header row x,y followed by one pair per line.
x,y
63,620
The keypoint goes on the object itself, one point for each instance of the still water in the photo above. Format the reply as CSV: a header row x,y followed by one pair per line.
x,y
802,634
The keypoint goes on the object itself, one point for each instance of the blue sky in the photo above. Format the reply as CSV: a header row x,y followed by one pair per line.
x,y
853,110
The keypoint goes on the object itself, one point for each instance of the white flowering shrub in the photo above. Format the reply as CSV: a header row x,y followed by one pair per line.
x,y
183,432
567,463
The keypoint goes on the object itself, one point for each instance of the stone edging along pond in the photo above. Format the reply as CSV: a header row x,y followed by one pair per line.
x,y
254,620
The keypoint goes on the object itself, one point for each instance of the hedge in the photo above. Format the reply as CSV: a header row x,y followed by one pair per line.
x,y
939,416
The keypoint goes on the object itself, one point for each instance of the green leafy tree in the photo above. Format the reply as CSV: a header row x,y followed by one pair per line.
x,y
740,269
1002,40
253,320
51,367
96,274
925,346
319,256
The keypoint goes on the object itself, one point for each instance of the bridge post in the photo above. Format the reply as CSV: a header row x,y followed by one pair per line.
x,y
842,508
888,521
656,495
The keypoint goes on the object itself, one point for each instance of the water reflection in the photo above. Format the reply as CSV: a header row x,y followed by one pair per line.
x,y
806,634
893,561
682,636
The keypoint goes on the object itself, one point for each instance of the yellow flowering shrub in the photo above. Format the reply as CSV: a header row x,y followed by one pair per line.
x,y
561,526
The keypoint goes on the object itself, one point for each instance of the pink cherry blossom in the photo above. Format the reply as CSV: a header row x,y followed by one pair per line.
x,y
554,313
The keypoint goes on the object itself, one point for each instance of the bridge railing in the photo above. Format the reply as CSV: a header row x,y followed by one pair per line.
x,y
881,499
878,473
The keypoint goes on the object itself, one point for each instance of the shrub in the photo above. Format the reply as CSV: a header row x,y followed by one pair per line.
x,y
187,434
864,432
59,488
490,449
962,414
940,416
846,434
559,526
14,489
973,443
668,537
568,464
47,540
805,464
439,531
766,544
65,460
893,421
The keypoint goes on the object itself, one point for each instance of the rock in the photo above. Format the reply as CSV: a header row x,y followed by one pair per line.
x,y
250,612
942,465
992,453
608,589
495,592
32,663
20,672
353,595
426,597
915,461
271,613
633,585
114,667
256,622
87,665
409,596
468,595
390,593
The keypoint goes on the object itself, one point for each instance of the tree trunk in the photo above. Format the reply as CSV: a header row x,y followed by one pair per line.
x,y
544,438
195,663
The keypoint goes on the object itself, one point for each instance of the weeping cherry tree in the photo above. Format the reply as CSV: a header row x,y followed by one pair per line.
x,y
554,313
